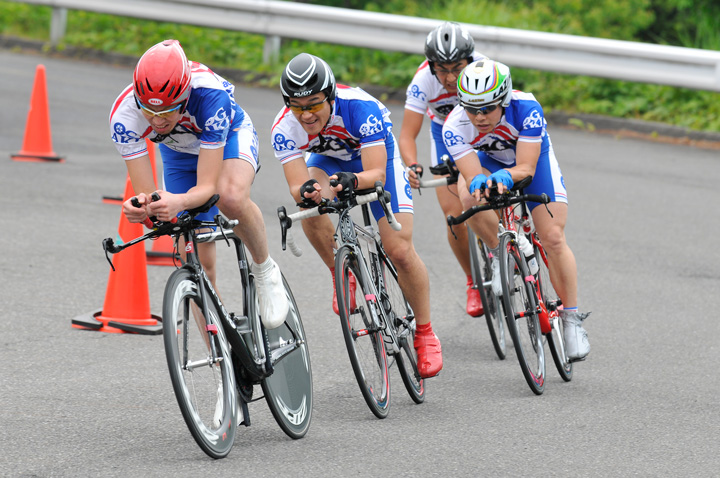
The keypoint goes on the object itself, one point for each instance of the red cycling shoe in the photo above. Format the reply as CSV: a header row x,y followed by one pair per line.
x,y
474,303
429,354
353,286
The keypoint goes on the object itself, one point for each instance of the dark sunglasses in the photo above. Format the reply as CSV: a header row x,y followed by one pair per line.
x,y
481,110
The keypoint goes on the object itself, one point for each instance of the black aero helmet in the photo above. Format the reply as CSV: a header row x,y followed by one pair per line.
x,y
307,75
449,43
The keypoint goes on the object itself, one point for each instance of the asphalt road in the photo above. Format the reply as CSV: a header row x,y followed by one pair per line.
x,y
643,226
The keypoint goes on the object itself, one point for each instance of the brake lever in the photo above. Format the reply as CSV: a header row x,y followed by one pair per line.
x,y
108,247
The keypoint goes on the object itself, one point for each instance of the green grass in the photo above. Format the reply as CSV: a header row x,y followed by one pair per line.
x,y
621,19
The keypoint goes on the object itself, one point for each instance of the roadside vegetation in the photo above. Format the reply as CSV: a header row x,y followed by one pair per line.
x,y
689,23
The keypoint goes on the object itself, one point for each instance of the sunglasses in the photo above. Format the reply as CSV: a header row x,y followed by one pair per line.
x,y
313,108
161,114
481,110
454,71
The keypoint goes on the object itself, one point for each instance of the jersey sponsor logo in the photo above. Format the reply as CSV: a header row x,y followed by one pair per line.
x,y
533,120
321,144
280,143
219,122
493,143
444,110
451,139
418,93
371,126
122,135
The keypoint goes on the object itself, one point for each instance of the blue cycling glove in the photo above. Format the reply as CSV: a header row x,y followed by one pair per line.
x,y
478,182
501,176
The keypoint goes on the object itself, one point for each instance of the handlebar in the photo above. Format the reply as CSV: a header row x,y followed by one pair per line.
x,y
183,223
337,206
445,168
499,201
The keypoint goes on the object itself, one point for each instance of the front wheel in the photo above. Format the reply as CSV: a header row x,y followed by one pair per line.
x,y
521,314
481,269
288,391
363,337
204,384
402,317
555,337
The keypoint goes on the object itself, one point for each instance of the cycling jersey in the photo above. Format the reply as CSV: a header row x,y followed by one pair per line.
x,y
357,121
426,94
211,113
211,120
522,121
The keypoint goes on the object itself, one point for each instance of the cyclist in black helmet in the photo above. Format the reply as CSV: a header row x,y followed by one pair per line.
x,y
433,91
334,131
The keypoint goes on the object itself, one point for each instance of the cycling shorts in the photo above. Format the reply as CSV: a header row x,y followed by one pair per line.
x,y
437,145
548,178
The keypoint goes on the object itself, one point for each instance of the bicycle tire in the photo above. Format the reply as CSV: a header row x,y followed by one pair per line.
x,y
403,322
363,339
482,277
288,391
555,338
521,314
197,387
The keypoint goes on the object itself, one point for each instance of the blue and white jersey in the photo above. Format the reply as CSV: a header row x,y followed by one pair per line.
x,y
357,121
210,114
426,94
523,120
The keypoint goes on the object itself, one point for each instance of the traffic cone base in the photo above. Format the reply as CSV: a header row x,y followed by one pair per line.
x,y
35,158
37,144
127,301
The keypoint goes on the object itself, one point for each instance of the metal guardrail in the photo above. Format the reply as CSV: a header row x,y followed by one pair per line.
x,y
621,60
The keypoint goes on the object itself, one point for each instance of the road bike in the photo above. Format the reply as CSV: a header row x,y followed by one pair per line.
x,y
480,262
216,357
378,323
531,304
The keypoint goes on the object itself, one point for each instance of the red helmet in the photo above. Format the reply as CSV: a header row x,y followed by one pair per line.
x,y
162,75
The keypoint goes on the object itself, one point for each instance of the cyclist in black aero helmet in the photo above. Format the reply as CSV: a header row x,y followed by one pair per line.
x,y
433,91
334,131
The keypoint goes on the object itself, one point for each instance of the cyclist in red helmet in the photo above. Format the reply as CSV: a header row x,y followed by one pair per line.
x,y
208,146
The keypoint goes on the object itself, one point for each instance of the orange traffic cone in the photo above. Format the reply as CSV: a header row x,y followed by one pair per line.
x,y
163,249
127,300
37,145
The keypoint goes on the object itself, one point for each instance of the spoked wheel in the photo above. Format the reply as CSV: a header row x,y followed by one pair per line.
x,y
288,391
556,336
204,387
363,337
521,315
492,305
403,319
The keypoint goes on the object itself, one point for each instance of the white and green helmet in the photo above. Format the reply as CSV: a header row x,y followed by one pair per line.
x,y
485,82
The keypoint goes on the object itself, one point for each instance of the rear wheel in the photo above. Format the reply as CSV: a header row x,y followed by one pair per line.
x,y
363,337
403,318
521,314
204,385
492,305
555,337
288,391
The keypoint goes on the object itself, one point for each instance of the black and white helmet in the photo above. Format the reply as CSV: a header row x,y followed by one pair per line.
x,y
307,75
449,43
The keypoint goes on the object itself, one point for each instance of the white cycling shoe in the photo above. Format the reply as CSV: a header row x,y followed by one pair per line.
x,y
577,345
274,304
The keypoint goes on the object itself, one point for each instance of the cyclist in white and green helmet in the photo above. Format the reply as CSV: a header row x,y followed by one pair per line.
x,y
499,136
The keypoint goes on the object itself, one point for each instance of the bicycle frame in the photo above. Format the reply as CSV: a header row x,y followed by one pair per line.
x,y
354,235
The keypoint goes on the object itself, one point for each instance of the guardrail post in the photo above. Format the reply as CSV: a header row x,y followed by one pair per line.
x,y
58,25
271,49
